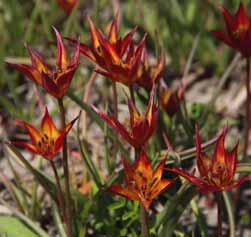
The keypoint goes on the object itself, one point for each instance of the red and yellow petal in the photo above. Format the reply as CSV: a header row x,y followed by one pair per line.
x,y
31,147
115,124
62,61
95,34
151,108
201,184
33,132
48,127
161,186
113,33
219,149
125,192
128,171
231,161
142,165
37,61
70,124
242,17
27,70
157,174
50,86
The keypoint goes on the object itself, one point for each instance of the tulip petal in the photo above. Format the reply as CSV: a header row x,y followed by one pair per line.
x,y
229,20
113,33
50,86
33,132
223,37
115,124
242,17
32,148
201,184
48,127
95,34
27,70
37,61
62,61
125,192
219,150
161,186
237,182
231,161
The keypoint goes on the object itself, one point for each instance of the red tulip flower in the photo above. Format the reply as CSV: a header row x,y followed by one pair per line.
x,y
67,5
46,142
143,184
171,100
142,126
238,31
217,174
117,58
55,81
147,74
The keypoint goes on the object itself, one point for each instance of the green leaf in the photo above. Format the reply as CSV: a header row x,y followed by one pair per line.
x,y
12,227
45,181
168,219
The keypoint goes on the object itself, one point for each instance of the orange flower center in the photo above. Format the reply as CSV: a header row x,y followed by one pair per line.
x,y
46,145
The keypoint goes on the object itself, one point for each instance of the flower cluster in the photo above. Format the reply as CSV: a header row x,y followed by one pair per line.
x,y
122,60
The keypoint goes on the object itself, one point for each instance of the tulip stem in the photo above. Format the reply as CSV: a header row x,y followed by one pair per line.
x,y
132,94
219,214
60,192
115,99
247,115
68,210
144,226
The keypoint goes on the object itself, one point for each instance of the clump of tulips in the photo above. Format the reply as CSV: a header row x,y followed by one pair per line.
x,y
123,61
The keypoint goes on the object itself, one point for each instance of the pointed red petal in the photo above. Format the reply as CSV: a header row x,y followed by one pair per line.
x,y
229,20
33,132
161,186
113,33
219,149
48,127
32,148
231,161
50,86
242,17
38,61
63,80
115,124
223,37
126,41
62,61
237,182
27,70
196,181
125,192
95,34
142,165
83,48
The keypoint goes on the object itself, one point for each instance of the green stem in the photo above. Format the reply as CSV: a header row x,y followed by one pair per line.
x,y
143,219
68,210
219,215
132,94
115,99
229,209
61,206
247,115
